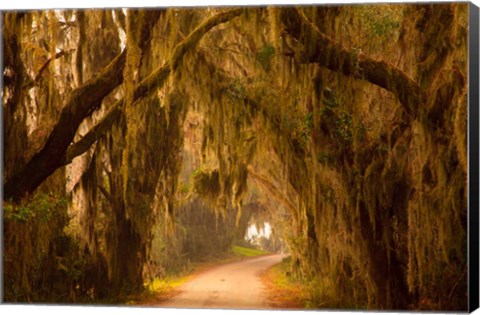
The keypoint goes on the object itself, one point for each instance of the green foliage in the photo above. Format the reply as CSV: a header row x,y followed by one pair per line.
x,y
379,22
307,126
265,56
299,126
48,267
343,127
247,252
184,188
330,99
324,158
339,119
41,208
284,272
236,90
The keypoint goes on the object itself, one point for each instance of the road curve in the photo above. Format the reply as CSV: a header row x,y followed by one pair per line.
x,y
235,285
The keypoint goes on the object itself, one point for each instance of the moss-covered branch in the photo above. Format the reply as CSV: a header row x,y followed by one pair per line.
x,y
274,191
81,146
154,81
319,48
82,102
158,77
85,100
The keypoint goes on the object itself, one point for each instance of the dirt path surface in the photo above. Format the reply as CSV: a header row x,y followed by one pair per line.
x,y
235,285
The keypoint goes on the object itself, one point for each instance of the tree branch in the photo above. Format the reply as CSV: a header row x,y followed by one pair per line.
x,y
272,189
157,78
59,54
105,192
154,81
58,150
319,48
81,146
32,82
82,102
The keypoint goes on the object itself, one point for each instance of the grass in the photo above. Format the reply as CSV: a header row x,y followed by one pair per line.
x,y
283,290
159,290
247,252
159,286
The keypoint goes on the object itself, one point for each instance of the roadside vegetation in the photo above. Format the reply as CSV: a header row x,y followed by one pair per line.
x,y
240,251
284,291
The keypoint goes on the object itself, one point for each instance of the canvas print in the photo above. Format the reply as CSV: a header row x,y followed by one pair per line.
x,y
263,157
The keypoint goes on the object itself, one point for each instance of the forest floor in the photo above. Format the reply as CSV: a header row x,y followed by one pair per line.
x,y
161,290
282,290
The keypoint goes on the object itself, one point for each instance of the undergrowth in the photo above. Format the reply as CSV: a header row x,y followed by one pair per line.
x,y
284,290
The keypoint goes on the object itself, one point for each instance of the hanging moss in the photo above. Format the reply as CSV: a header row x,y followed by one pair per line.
x,y
207,184
460,131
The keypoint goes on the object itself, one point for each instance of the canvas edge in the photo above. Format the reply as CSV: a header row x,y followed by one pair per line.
x,y
473,173
2,165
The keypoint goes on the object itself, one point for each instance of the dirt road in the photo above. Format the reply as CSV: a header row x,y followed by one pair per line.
x,y
235,285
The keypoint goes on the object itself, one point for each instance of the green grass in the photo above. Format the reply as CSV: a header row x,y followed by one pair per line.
x,y
162,285
157,290
247,252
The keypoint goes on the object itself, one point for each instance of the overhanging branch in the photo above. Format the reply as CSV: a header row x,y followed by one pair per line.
x,y
93,134
319,48
151,83
272,189
81,103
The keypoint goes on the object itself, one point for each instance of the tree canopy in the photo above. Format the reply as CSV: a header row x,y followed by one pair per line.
x,y
127,131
